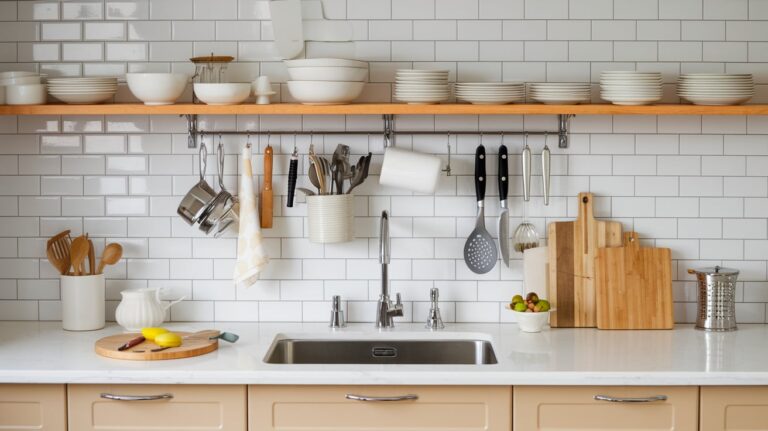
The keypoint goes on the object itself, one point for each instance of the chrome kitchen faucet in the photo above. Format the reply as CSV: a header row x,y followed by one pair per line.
x,y
385,310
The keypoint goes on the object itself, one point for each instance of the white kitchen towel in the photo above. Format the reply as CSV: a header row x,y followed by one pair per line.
x,y
251,256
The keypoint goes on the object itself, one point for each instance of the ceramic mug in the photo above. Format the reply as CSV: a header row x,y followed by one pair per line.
x,y
82,302
330,218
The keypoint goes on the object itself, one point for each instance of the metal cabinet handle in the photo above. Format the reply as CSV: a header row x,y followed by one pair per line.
x,y
409,397
115,397
630,400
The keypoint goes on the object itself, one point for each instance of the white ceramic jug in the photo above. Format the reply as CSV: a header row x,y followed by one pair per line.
x,y
141,308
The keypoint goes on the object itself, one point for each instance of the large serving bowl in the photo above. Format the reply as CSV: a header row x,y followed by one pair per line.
x,y
222,93
325,92
157,88
323,73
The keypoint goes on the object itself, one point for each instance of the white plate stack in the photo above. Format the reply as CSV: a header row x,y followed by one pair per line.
x,y
560,93
630,88
79,91
716,88
421,86
491,93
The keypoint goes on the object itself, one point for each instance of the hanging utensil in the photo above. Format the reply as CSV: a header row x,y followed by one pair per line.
x,y
525,235
293,169
480,253
545,171
526,161
316,176
266,190
360,172
504,213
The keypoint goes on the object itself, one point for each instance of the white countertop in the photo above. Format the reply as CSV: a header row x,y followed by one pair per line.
x,y
40,352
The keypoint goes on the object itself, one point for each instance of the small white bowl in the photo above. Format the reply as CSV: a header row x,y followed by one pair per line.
x,y
222,93
328,74
157,88
21,80
531,322
325,92
30,94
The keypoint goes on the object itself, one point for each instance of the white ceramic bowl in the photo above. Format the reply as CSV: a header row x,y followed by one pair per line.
x,y
83,98
157,88
21,80
16,74
325,62
222,93
328,74
325,92
29,94
531,322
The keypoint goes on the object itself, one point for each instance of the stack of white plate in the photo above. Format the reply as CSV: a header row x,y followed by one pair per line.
x,y
716,88
421,86
82,90
630,88
560,93
490,93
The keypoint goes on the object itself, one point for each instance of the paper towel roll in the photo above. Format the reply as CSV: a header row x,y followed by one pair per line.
x,y
536,270
408,170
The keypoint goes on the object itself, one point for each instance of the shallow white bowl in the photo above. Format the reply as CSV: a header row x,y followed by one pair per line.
x,y
29,94
222,93
325,73
16,74
83,98
21,80
157,88
325,62
531,322
325,92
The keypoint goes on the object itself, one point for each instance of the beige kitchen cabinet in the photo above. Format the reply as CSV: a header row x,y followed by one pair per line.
x,y
555,408
157,407
734,408
380,408
33,407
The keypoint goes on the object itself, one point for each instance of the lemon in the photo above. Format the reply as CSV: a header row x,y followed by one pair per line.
x,y
151,333
168,339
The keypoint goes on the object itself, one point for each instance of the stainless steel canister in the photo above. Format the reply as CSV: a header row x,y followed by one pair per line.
x,y
717,298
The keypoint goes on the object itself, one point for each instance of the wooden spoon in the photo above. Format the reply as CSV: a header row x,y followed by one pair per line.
x,y
79,253
112,254
91,258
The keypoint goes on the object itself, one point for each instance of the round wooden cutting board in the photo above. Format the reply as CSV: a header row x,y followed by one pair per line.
x,y
193,344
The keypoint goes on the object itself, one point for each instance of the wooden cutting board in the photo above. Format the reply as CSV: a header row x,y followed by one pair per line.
x,y
634,286
572,250
193,344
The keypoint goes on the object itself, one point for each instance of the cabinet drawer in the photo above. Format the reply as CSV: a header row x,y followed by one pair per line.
x,y
302,408
33,407
734,408
575,408
189,407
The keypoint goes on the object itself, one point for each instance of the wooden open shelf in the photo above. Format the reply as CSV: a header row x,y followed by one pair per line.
x,y
381,108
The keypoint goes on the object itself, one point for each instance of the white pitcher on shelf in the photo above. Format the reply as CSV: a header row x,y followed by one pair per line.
x,y
142,308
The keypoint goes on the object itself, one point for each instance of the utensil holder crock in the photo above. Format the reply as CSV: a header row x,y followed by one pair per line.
x,y
82,302
330,218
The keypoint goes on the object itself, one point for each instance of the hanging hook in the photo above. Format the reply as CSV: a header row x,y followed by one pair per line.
x,y
447,168
248,140
295,148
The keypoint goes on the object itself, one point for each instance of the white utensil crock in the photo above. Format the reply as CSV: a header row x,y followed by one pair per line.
x,y
82,302
141,308
409,170
330,218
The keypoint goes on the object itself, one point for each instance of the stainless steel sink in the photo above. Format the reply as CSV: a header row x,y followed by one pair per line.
x,y
427,352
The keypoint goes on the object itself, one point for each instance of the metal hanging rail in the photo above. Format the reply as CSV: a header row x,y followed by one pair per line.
x,y
388,131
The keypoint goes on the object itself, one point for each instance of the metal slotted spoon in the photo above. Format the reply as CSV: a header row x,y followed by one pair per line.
x,y
480,252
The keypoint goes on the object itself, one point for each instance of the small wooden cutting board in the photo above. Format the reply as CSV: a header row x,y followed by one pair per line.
x,y
634,286
193,344
572,249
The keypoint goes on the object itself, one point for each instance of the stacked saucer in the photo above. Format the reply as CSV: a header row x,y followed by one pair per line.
x,y
82,90
422,86
716,88
630,88
490,93
560,93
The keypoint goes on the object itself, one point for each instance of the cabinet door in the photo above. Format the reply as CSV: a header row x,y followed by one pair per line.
x,y
734,408
555,408
379,408
157,407
33,407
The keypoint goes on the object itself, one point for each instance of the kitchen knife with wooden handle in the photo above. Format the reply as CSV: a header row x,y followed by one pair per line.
x,y
266,190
